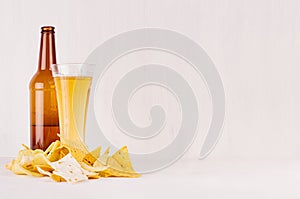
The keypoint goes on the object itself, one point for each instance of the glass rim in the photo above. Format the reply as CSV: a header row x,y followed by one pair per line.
x,y
73,64
72,69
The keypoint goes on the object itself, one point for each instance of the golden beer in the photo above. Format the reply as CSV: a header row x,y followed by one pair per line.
x,y
72,97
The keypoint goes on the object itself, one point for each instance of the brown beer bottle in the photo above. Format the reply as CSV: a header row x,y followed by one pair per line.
x,y
43,105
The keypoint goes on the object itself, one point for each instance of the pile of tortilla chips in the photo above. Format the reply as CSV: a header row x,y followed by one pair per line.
x,y
65,163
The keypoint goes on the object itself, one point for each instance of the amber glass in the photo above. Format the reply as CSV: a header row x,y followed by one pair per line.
x,y
43,105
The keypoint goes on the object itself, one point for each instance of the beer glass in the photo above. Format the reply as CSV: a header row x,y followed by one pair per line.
x,y
72,84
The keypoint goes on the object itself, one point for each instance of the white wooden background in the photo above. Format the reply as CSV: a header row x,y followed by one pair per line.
x,y
255,46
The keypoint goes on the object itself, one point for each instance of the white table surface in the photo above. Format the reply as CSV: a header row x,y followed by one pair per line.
x,y
185,179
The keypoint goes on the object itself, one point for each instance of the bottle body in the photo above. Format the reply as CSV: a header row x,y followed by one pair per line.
x,y
44,122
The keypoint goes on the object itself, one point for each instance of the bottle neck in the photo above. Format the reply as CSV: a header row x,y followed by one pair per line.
x,y
47,50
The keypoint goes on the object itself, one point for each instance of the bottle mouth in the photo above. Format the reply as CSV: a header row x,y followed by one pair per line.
x,y
48,28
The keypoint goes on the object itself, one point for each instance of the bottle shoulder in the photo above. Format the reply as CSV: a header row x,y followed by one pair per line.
x,y
41,80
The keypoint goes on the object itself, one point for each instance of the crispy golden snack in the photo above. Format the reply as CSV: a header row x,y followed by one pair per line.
x,y
71,163
119,165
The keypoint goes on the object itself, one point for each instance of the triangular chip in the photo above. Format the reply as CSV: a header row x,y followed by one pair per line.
x,y
93,168
43,171
25,146
54,177
96,152
120,165
41,161
77,153
103,158
58,153
91,157
53,144
69,169
122,158
57,178
19,170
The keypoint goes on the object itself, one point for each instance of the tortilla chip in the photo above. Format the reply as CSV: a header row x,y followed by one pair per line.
x,y
122,158
50,147
120,165
26,147
69,169
58,153
19,170
57,178
103,158
77,153
93,168
43,171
